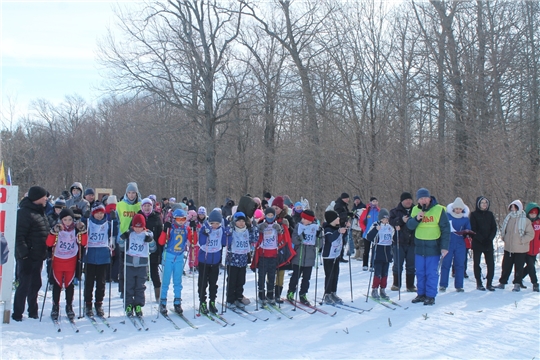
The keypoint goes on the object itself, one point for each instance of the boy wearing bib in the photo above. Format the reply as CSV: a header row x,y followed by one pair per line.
x,y
238,247
381,234
304,238
137,243
333,243
212,239
101,242
65,238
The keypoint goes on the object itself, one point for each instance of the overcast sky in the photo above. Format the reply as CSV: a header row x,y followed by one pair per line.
x,y
49,48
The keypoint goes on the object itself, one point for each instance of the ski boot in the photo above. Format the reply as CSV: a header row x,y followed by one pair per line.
x,y
129,310
383,294
177,307
138,310
375,294
99,309
442,289
231,306
69,312
336,298
304,300
55,312
212,307
163,306
203,309
290,295
88,310
239,304
328,299
419,298
535,288
429,301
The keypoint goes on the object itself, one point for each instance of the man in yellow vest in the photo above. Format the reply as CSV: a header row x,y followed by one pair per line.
x,y
431,239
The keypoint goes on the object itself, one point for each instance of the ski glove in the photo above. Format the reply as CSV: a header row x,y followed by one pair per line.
x,y
263,226
278,228
206,230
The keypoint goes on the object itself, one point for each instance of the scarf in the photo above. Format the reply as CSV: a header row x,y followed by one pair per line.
x,y
521,216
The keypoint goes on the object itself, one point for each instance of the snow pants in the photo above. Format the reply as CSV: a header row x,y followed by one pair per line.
x,y
235,284
426,275
305,272
208,276
490,264
517,260
458,254
136,277
267,274
173,267
95,274
530,268
331,275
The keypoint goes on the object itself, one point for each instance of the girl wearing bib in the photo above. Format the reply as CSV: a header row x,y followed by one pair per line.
x,y
382,235
65,238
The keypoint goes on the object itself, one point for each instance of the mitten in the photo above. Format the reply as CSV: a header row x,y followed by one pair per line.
x,y
263,226
277,227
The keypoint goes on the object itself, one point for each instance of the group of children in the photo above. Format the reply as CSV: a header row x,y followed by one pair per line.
x,y
271,242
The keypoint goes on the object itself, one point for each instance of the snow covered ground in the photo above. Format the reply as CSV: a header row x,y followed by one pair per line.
x,y
469,325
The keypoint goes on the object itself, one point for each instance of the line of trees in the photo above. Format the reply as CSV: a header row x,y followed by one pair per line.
x,y
209,99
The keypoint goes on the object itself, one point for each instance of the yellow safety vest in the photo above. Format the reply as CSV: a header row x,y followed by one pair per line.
x,y
429,228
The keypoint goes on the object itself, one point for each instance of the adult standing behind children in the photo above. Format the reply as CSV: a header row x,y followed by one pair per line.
x,y
484,226
30,251
127,208
431,240
77,202
398,219
368,217
516,232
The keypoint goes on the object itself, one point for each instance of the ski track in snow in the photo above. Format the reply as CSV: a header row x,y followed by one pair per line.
x,y
485,325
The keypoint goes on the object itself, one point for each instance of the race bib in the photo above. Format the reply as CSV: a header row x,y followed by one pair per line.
x,y
97,235
213,243
269,239
335,248
385,235
309,232
240,242
66,245
137,246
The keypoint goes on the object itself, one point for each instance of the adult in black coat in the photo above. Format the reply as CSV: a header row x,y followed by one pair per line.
x,y
398,219
342,208
30,251
484,225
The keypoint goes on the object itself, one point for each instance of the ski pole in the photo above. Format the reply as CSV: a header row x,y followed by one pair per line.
x,y
226,272
374,248
124,280
299,271
110,271
47,286
398,266
350,270
80,282
192,251
256,283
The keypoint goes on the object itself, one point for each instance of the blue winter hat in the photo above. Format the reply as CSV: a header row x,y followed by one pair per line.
x,y
422,192
89,191
215,216
239,216
298,203
179,213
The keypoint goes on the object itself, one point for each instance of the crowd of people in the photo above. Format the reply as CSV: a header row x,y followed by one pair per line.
x,y
134,239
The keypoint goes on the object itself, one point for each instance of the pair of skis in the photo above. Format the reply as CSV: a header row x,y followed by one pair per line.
x,y
310,309
58,327
386,303
138,322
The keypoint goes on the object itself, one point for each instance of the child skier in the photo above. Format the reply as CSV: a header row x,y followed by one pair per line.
x,y
212,238
304,238
333,243
101,241
174,241
236,260
138,242
532,210
381,234
66,238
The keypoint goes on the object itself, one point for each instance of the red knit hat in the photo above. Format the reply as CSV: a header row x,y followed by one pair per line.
x,y
278,201
138,221
308,215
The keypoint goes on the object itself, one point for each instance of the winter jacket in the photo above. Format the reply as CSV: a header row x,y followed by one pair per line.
x,y
283,245
53,219
484,225
211,257
534,245
126,212
406,236
514,242
31,232
305,239
383,247
154,224
458,222
333,242
368,217
60,263
102,254
80,203
433,246
342,208
239,258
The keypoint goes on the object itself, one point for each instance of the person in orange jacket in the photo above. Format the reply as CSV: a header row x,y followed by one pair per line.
x,y
66,238
533,213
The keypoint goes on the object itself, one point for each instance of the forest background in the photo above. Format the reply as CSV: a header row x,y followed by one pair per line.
x,y
216,99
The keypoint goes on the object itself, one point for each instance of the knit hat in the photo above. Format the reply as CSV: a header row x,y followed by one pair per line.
x,y
146,201
458,204
356,197
132,186
36,193
179,213
60,203
257,200
97,207
112,199
258,214
287,200
309,215
138,221
404,196
344,196
89,191
270,210
278,201
330,216
191,215
215,217
372,198
152,197
297,204
66,212
383,214
202,210
239,216
172,199
267,195
422,192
